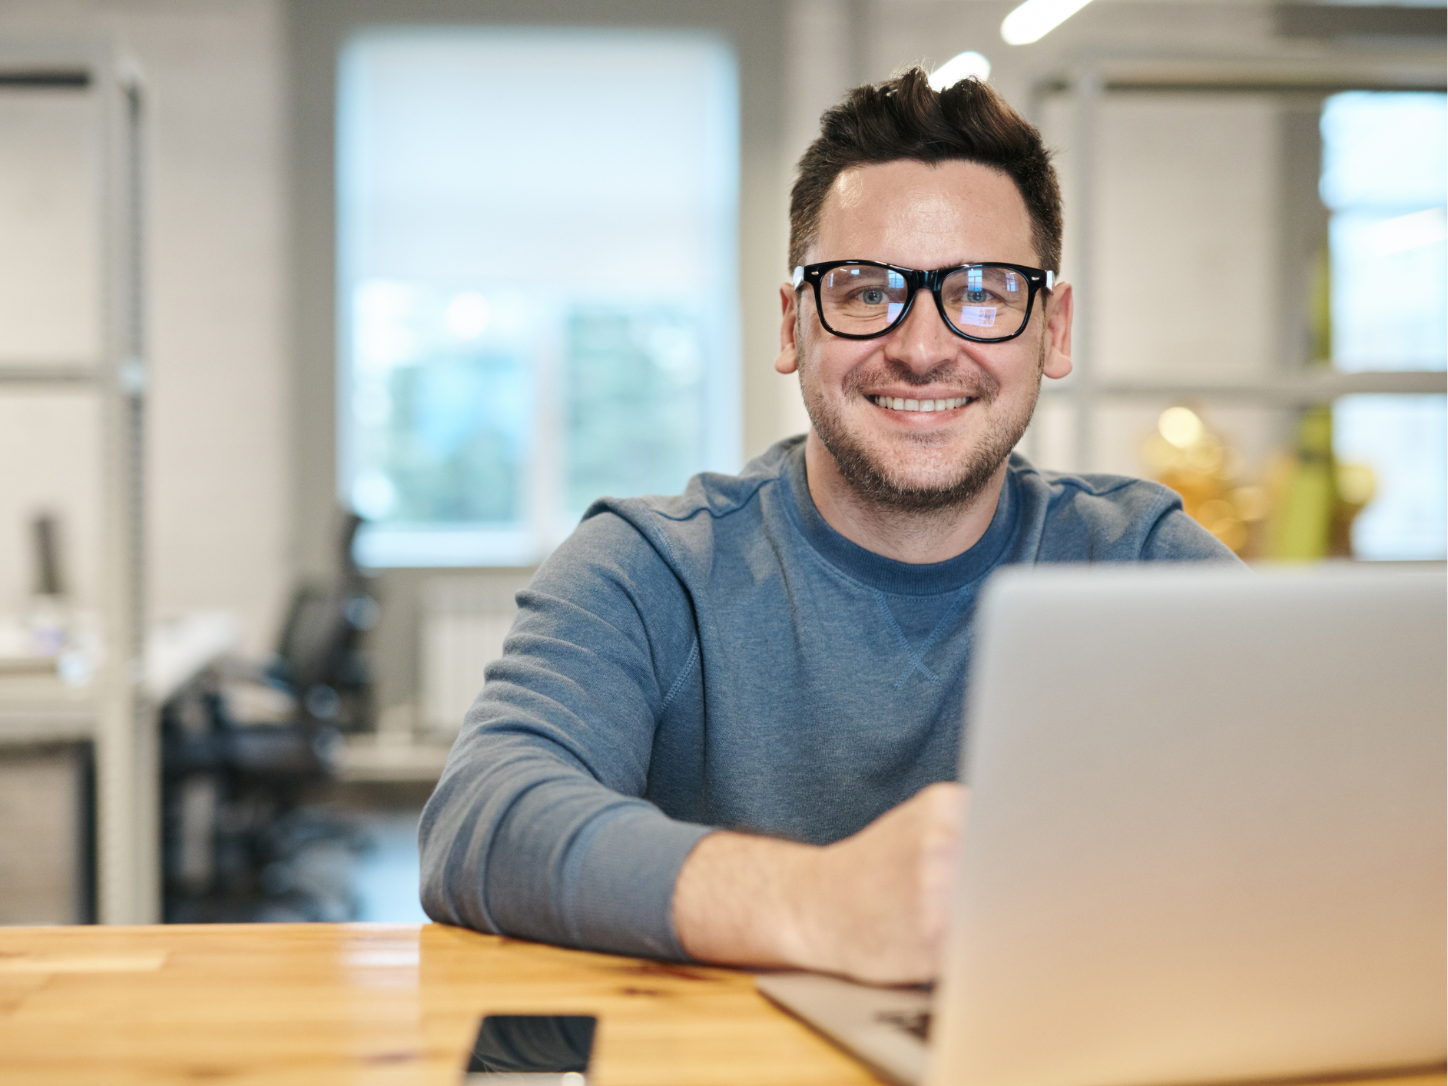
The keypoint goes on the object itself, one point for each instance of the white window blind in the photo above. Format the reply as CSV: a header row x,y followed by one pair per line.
x,y
538,285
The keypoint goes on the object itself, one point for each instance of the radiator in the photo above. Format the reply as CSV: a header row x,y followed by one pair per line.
x,y
463,625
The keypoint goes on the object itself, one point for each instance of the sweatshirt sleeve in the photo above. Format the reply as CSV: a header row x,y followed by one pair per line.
x,y
537,827
1176,537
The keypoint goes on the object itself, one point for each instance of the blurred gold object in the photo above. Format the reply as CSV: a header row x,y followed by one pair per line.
x,y
1186,456
1304,510
1253,502
1180,427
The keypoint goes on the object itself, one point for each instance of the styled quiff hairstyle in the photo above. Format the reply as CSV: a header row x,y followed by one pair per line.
x,y
904,118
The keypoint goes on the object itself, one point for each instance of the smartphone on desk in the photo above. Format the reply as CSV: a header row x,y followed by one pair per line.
x,y
531,1050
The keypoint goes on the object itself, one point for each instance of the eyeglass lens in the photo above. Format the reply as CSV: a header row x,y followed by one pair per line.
x,y
982,301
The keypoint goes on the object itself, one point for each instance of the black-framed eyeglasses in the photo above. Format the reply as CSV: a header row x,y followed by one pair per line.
x,y
862,299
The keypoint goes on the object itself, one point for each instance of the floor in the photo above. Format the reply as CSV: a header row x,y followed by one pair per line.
x,y
350,854
384,877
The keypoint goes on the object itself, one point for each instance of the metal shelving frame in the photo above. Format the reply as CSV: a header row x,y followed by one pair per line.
x,y
126,743
1087,83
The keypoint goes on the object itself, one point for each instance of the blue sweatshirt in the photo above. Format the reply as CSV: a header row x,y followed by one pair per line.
x,y
725,659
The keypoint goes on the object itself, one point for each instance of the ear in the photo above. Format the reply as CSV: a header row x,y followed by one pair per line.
x,y
788,360
1058,332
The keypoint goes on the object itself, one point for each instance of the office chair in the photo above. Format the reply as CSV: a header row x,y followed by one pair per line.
x,y
235,785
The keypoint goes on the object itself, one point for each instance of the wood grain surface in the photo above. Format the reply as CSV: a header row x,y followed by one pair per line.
x,y
368,1003
375,1003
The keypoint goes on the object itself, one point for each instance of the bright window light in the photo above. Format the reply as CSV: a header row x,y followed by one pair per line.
x,y
538,282
961,66
1034,19
1385,180
1402,439
1384,168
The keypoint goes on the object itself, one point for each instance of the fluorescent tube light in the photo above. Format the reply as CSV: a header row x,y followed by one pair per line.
x,y
961,66
1407,232
1034,19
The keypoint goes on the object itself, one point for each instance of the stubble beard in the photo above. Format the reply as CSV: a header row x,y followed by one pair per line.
x,y
878,482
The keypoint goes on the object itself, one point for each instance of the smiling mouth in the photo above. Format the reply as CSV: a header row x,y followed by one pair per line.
x,y
895,403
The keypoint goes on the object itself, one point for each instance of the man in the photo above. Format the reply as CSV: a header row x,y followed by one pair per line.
x,y
727,724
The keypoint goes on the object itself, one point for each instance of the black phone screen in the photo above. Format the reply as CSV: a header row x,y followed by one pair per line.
x,y
532,1044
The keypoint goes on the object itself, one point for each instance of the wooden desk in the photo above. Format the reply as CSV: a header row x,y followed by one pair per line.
x,y
373,1003
368,1003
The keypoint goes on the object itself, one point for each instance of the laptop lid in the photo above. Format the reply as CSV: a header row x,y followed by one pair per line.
x,y
1206,835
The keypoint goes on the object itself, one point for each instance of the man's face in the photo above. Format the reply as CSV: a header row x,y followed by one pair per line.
x,y
915,215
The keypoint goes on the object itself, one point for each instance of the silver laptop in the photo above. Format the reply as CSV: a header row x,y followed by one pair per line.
x,y
1206,838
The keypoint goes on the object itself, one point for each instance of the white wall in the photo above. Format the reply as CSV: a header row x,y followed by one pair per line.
x,y
220,443
217,451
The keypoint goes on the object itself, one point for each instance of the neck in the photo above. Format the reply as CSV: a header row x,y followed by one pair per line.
x,y
915,537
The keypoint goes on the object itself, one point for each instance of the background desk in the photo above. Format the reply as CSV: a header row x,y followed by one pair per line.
x,y
373,1003
48,730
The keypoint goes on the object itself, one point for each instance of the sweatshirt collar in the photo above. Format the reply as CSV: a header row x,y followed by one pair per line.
x,y
887,574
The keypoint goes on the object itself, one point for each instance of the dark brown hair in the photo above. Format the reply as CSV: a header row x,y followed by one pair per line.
x,y
905,118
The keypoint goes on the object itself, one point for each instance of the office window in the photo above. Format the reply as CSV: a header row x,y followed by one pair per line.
x,y
1385,182
538,298
1402,438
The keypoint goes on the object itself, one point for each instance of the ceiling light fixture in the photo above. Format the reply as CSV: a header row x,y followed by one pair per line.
x,y
961,66
1034,19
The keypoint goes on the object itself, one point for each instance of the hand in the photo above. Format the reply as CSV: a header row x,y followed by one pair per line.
x,y
874,906
881,902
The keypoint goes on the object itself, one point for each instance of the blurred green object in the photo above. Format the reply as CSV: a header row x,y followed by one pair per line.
x,y
1301,530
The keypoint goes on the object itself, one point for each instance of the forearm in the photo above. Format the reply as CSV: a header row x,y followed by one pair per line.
x,y
743,900
539,826
530,849
872,906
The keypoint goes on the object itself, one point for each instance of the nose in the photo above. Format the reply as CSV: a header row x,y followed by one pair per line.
x,y
923,340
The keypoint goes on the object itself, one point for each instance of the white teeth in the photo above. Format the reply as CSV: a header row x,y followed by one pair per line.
x,y
895,403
